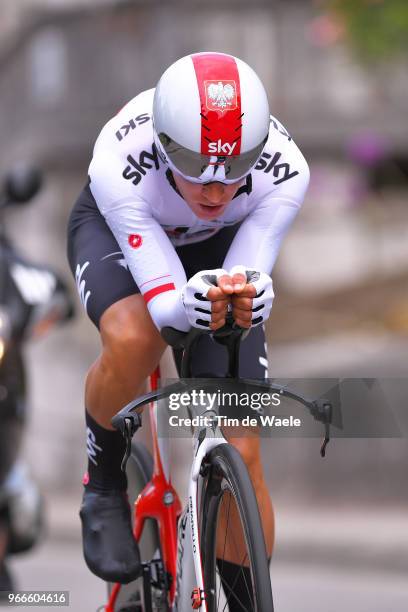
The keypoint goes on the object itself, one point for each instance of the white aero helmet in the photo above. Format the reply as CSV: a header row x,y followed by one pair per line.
x,y
210,117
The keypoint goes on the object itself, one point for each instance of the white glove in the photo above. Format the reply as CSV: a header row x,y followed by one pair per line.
x,y
262,302
194,296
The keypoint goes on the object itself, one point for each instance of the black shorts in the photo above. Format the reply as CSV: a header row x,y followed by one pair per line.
x,y
102,278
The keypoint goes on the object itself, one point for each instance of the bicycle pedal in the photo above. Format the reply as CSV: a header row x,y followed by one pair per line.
x,y
197,598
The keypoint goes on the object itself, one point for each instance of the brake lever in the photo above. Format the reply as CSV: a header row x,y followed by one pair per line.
x,y
326,440
323,412
131,425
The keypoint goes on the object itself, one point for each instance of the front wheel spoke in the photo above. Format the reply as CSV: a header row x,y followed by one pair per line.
x,y
225,586
225,539
240,572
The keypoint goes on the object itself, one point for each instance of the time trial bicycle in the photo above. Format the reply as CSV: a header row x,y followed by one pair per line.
x,y
180,567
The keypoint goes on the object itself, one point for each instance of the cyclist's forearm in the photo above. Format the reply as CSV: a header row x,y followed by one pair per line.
x,y
167,310
257,242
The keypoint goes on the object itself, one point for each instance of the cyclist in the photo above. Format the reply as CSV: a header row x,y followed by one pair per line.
x,y
192,187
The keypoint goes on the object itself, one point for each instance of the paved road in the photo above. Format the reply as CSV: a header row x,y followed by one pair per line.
x,y
326,559
297,587
60,566
310,588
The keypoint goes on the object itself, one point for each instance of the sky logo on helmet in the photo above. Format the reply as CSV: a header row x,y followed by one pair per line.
x,y
221,95
222,148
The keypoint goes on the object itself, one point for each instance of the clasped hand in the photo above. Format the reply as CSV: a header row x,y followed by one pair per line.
x,y
210,294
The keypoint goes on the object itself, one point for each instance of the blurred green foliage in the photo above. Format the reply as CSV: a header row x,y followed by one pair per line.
x,y
376,29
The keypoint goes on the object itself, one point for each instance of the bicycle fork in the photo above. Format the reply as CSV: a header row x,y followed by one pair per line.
x,y
190,588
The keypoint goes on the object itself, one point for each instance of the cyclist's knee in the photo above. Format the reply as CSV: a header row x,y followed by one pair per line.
x,y
129,335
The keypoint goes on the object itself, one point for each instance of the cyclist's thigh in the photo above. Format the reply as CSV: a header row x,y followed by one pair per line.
x,y
95,258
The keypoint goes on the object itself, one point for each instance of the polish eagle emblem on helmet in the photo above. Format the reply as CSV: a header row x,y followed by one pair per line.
x,y
221,95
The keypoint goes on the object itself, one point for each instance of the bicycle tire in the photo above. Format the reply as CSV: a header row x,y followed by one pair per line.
x,y
139,471
226,472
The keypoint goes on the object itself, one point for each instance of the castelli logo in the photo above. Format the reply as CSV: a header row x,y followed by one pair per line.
x,y
135,241
221,95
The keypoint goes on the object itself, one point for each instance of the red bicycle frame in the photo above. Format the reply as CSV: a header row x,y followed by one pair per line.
x,y
150,503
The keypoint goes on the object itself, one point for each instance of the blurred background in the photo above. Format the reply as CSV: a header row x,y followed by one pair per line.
x,y
336,75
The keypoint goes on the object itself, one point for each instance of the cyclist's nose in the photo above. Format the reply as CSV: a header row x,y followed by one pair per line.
x,y
214,192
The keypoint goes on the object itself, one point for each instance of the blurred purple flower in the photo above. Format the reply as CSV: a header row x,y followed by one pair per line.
x,y
367,148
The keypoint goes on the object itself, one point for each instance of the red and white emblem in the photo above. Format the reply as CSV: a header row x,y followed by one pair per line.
x,y
221,95
220,92
135,241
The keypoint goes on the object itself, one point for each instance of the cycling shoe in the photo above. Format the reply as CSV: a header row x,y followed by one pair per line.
x,y
110,550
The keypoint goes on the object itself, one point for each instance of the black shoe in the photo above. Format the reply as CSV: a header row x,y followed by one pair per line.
x,y
6,581
110,550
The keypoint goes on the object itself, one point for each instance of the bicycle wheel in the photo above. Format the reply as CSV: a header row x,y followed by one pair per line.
x,y
226,481
139,471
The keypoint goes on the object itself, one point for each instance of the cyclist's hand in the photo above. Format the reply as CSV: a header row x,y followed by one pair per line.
x,y
205,301
220,297
252,298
